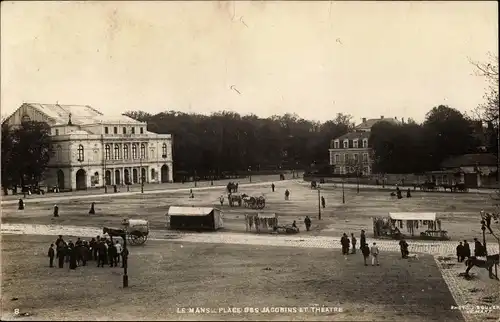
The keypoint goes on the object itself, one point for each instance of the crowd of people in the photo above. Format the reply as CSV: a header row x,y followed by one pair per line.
x,y
100,249
366,250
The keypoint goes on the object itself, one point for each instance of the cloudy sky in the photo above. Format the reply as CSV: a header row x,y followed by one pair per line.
x,y
311,58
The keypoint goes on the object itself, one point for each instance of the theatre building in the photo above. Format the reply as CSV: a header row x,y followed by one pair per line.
x,y
91,149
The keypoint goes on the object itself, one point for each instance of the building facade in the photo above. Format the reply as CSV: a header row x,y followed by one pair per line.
x,y
350,154
91,149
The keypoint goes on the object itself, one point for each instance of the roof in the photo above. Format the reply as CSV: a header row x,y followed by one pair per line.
x,y
80,114
189,211
413,215
371,122
354,135
479,159
268,215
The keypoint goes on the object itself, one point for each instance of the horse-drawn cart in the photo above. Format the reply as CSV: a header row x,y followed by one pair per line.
x,y
254,202
136,231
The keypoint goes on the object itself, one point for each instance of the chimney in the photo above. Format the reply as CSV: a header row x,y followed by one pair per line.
x,y
396,118
364,119
381,117
403,120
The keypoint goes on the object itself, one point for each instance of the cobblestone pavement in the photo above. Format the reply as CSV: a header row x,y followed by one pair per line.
x,y
441,248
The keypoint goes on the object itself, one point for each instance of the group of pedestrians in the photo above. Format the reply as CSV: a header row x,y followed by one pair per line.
x,y
99,249
463,250
366,250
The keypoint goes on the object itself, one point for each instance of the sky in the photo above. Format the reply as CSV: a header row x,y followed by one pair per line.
x,y
315,59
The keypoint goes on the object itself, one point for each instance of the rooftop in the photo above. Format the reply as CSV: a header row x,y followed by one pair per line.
x,y
367,124
354,135
478,159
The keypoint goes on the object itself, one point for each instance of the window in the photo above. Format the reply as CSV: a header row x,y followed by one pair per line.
x,y
337,158
117,151
108,152
355,143
115,130
356,158
365,157
133,130
106,130
57,131
80,153
336,144
365,143
164,150
134,151
346,144
124,130
143,151
152,153
332,159
125,151
346,157
142,130
152,174
58,153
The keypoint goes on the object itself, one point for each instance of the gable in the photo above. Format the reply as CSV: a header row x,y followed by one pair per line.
x,y
27,112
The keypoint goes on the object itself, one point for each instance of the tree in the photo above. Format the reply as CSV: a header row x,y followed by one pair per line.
x,y
489,110
26,153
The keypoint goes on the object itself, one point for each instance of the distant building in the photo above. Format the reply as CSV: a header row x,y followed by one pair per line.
x,y
91,149
350,153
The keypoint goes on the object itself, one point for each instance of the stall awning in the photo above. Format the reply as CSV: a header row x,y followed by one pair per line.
x,y
189,211
268,215
413,216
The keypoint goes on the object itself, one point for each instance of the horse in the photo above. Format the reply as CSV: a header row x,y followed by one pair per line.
x,y
114,232
491,260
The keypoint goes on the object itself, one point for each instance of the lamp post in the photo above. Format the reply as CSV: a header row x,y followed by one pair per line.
x,y
250,174
343,194
483,228
195,183
357,178
142,177
125,258
319,203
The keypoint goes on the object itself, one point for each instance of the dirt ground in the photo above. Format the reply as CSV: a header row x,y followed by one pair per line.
x,y
168,276
459,211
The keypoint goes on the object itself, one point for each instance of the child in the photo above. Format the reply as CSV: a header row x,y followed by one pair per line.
x,y
51,255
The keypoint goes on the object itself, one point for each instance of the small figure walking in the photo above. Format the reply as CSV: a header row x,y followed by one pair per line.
x,y
408,193
92,209
51,254
287,194
353,242
323,202
460,252
307,222
221,200
191,194
344,241
365,250
56,211
374,251
21,205
273,186
403,245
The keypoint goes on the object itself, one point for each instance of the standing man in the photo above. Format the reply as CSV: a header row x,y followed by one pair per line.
x,y
124,257
61,254
51,254
403,246
375,252
478,248
21,204
102,254
363,238
92,209
344,241
221,200
365,250
56,211
307,222
460,252
119,250
353,242
287,194
273,186
466,249
323,202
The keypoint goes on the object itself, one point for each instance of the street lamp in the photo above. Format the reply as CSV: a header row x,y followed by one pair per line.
x,y
357,175
195,183
250,174
142,176
319,203
483,228
343,194
125,255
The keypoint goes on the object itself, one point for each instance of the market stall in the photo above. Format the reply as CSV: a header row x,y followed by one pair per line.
x,y
194,218
261,222
424,225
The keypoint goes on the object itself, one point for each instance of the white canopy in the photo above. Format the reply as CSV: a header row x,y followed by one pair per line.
x,y
266,215
189,211
413,216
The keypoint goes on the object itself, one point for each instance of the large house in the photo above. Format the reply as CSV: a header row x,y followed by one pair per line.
x,y
91,149
350,153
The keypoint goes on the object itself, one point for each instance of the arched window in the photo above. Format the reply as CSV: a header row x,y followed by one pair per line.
x,y
134,151
125,151
152,174
108,152
164,150
58,153
80,153
143,151
117,152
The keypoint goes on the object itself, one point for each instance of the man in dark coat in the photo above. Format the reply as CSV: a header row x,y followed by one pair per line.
x,y
272,187
363,238
92,210
466,249
344,241
102,254
61,254
353,242
21,204
323,202
365,250
460,252
478,248
51,255
307,222
125,254
408,193
56,211
112,255
403,246
59,244
72,257
93,249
